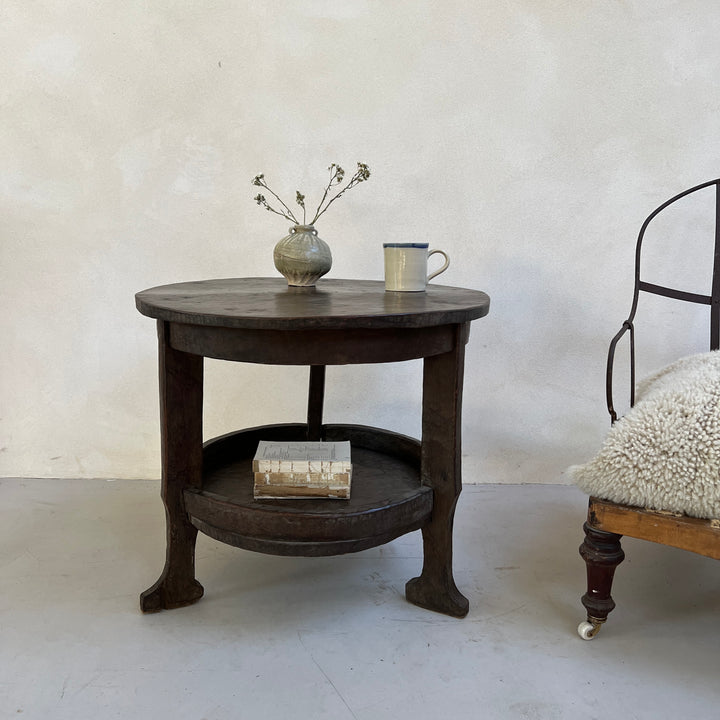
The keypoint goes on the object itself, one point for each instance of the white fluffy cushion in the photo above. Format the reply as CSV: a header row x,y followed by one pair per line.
x,y
664,454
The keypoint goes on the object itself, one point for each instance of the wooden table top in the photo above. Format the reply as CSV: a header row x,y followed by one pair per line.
x,y
268,303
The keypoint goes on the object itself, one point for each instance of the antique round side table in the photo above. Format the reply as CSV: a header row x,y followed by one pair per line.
x,y
400,484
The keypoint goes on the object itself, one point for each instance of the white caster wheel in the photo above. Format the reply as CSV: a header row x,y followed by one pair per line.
x,y
587,630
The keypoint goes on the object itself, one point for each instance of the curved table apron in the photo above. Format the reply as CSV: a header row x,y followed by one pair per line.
x,y
400,484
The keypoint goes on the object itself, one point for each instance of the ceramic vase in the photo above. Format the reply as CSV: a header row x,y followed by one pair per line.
x,y
302,257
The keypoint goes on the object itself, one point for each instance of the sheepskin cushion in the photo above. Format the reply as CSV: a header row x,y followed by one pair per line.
x,y
664,454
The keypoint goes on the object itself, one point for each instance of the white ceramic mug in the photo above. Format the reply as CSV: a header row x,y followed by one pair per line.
x,y
406,266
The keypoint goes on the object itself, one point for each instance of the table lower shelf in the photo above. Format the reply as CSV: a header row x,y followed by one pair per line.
x,y
387,499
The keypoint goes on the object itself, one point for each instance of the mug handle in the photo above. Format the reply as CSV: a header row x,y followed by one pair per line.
x,y
443,268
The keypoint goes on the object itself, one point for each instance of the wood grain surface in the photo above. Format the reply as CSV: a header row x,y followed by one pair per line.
x,y
268,303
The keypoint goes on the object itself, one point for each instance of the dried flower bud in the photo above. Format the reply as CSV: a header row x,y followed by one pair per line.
x,y
363,172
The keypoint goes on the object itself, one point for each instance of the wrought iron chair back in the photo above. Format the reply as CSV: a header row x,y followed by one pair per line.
x,y
713,300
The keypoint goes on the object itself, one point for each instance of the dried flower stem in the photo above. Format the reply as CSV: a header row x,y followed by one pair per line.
x,y
336,177
362,174
259,180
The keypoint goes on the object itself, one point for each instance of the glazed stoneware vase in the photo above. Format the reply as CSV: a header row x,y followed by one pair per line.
x,y
302,257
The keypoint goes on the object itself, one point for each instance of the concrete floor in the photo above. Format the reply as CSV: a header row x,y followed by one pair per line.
x,y
334,637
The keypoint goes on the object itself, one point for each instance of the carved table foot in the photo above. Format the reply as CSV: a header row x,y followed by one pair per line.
x,y
176,586
443,597
165,595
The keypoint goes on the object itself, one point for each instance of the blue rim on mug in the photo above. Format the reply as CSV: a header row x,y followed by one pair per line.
x,y
423,246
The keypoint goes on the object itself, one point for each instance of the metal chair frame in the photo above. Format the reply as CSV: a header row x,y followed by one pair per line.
x,y
641,286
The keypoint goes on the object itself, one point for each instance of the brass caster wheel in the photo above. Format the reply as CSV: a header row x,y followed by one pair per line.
x,y
588,629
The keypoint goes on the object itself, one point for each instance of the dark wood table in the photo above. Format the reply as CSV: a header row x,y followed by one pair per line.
x,y
399,484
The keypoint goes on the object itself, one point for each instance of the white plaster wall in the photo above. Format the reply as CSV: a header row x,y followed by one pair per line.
x,y
527,138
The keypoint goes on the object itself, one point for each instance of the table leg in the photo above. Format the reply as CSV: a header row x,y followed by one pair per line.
x,y
181,395
435,588
316,397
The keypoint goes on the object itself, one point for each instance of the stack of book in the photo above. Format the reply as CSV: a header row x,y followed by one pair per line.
x,y
302,470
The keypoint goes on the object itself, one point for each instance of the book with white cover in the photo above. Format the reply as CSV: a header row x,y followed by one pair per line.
x,y
302,457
